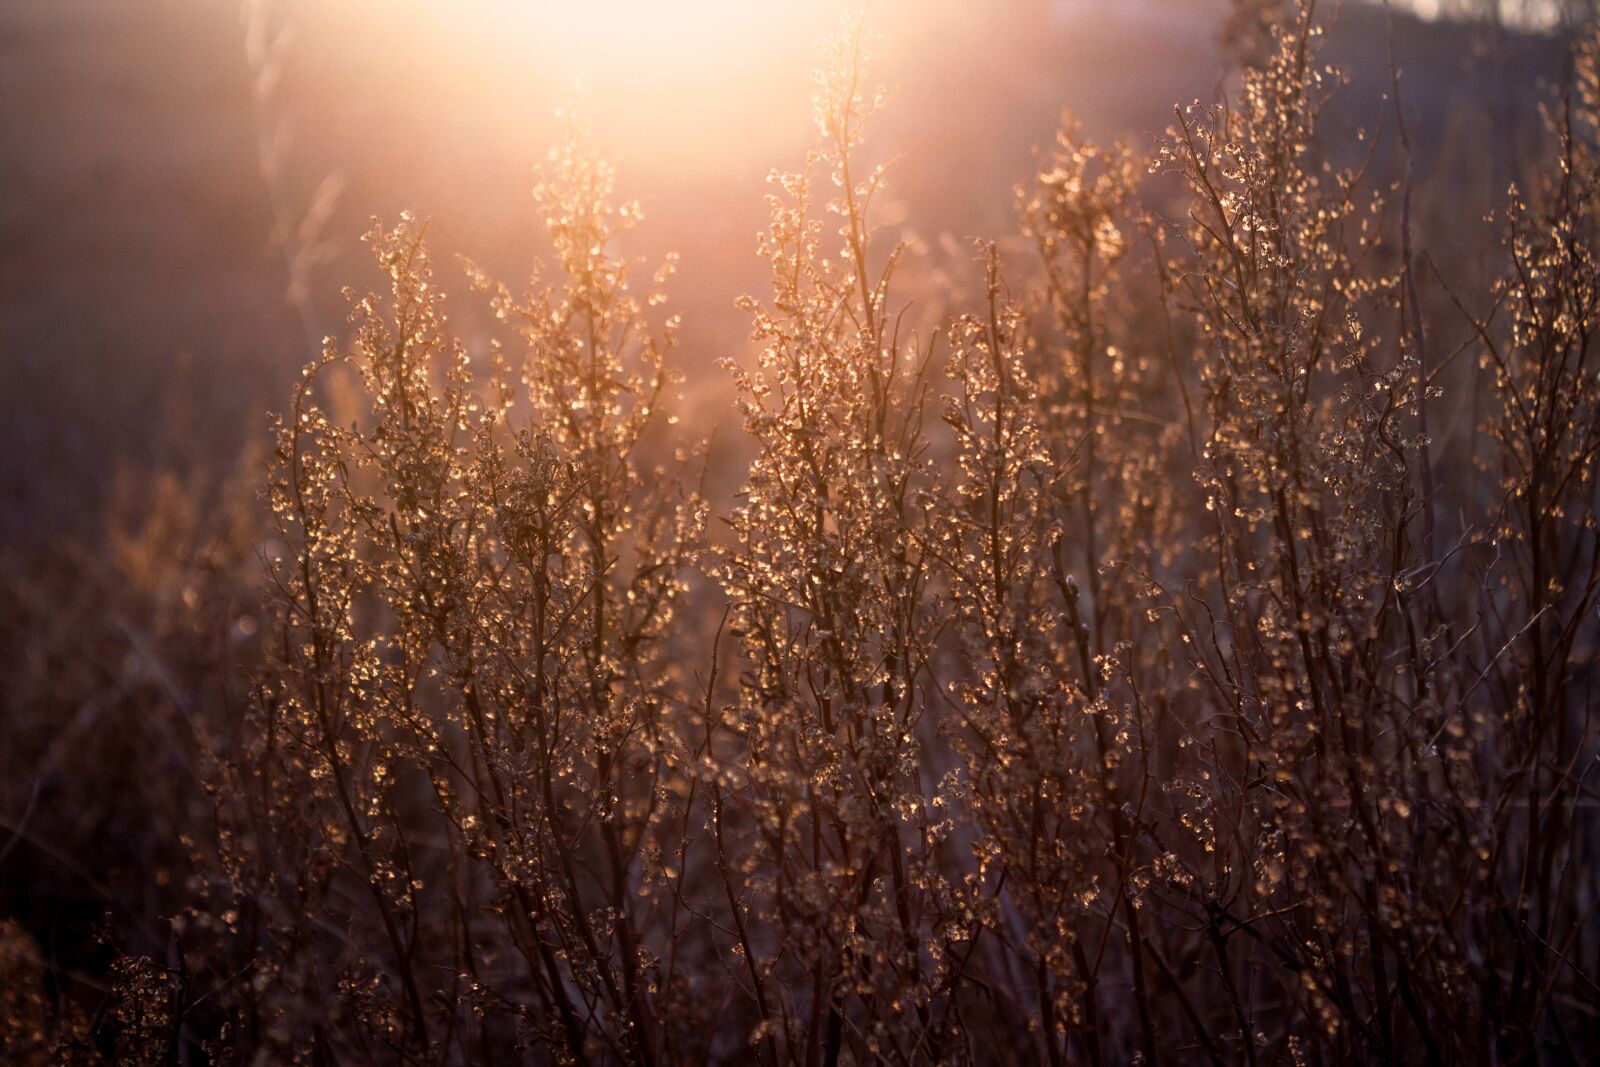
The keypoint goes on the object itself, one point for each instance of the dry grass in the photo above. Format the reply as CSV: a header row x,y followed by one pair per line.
x,y
1096,675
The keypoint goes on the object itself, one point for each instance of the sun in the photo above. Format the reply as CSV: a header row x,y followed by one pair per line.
x,y
641,41
683,83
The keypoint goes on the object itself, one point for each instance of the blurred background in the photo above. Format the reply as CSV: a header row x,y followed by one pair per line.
x,y
183,182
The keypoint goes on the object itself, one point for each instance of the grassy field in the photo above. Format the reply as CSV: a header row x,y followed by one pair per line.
x,y
1115,584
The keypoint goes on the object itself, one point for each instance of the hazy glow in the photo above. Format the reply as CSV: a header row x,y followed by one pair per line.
x,y
651,42
691,79
679,83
